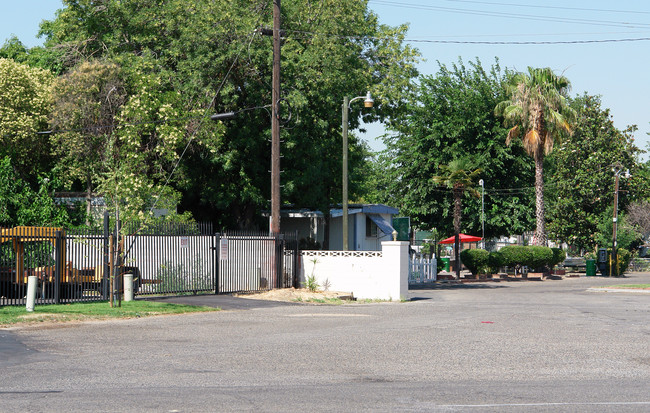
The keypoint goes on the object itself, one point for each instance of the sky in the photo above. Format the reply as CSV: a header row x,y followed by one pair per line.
x,y
444,30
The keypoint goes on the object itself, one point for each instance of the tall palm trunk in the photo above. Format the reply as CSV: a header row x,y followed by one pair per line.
x,y
458,197
540,231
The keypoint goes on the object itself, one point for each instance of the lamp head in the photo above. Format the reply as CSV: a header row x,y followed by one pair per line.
x,y
222,116
368,102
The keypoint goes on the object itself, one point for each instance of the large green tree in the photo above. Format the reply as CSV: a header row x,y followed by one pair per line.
x,y
581,182
211,53
22,204
538,112
451,116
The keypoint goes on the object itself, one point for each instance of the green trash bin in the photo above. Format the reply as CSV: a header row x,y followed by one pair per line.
x,y
445,263
591,268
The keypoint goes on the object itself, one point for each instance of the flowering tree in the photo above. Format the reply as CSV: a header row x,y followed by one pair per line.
x,y
25,101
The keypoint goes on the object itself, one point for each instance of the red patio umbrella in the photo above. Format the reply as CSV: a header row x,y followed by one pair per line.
x,y
463,238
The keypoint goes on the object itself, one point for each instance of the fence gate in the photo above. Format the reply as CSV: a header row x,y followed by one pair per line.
x,y
255,262
195,261
422,270
170,258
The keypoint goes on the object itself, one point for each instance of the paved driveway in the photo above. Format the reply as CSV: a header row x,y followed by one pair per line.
x,y
534,346
224,302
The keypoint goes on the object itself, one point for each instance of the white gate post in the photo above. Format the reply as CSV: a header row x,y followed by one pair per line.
x,y
32,284
128,287
396,264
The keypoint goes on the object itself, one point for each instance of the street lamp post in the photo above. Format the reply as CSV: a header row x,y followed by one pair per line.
x,y
482,183
613,262
367,102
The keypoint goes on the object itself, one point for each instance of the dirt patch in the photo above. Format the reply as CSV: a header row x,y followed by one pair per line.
x,y
297,294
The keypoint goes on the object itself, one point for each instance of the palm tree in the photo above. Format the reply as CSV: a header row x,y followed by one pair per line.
x,y
538,107
459,175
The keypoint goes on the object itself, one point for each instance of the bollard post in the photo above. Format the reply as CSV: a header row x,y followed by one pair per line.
x,y
128,287
32,284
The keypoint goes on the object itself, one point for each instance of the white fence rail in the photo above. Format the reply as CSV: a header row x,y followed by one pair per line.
x,y
422,270
639,264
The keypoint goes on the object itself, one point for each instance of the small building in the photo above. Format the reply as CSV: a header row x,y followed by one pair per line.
x,y
368,226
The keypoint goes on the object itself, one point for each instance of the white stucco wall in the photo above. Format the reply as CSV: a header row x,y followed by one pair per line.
x,y
379,275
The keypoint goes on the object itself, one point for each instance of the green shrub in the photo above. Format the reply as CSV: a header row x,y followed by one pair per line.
x,y
516,255
541,256
495,261
311,283
624,258
476,260
558,256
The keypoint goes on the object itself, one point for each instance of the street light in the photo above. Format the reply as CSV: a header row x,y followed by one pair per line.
x,y
480,182
617,168
367,102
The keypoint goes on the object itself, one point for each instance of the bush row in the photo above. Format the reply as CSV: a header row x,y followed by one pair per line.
x,y
480,261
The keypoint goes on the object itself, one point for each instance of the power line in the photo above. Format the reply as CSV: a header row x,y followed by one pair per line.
x,y
482,42
514,15
550,7
549,42
117,125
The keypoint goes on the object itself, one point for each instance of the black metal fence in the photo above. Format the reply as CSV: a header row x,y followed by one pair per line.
x,y
73,265
62,262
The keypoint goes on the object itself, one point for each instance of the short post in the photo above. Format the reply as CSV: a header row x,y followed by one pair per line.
x,y
32,284
128,287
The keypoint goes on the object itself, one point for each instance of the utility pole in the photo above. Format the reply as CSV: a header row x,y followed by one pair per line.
x,y
275,124
344,204
617,168
614,260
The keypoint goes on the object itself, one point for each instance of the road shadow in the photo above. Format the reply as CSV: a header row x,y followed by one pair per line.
x,y
224,302
456,286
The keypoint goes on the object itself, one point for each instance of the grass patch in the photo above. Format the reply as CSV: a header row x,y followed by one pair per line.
x,y
12,315
635,286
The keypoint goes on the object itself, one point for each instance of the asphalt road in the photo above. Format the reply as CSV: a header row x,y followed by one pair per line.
x,y
494,347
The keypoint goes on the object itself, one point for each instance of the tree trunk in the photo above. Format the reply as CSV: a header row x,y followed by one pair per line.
x,y
89,198
540,231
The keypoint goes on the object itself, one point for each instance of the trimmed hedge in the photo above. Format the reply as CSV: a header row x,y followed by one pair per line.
x,y
542,257
476,260
532,256
495,261
516,255
558,256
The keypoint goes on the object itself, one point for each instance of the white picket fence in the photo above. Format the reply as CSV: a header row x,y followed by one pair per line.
x,y
422,270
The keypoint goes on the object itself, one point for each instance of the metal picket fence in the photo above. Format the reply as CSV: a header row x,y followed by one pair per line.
x,y
73,265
